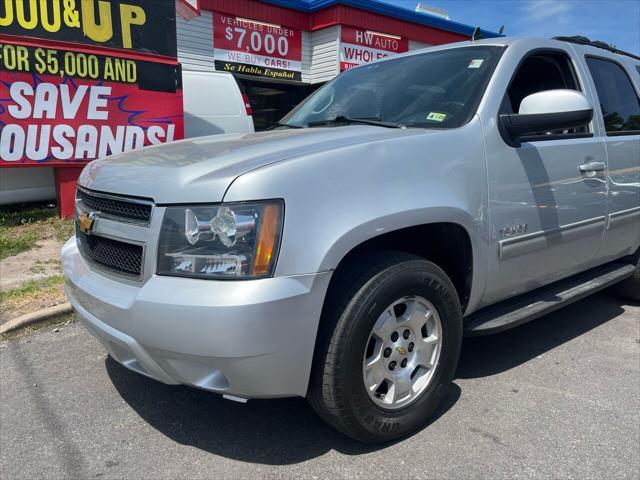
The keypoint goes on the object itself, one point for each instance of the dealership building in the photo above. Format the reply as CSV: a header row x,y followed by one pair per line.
x,y
282,50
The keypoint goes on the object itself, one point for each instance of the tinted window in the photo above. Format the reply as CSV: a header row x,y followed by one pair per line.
x,y
618,100
439,89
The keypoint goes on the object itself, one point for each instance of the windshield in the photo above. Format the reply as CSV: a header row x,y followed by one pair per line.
x,y
439,89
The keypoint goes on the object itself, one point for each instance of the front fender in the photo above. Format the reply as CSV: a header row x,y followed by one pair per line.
x,y
335,201
398,221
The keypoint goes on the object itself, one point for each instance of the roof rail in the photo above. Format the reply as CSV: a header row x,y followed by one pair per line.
x,y
580,40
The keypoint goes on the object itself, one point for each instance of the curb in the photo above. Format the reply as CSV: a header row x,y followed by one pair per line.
x,y
35,317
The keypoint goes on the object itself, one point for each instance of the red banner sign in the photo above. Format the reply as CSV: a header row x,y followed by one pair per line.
x,y
48,120
249,47
62,107
358,47
81,79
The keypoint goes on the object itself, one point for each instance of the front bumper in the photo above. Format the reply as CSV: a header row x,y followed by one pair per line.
x,y
252,339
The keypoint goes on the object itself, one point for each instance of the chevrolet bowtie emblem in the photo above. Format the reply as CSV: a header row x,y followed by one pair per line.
x,y
401,350
86,222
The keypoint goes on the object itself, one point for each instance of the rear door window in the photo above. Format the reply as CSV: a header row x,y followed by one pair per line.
x,y
618,100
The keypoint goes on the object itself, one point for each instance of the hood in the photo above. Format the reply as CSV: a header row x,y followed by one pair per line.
x,y
201,169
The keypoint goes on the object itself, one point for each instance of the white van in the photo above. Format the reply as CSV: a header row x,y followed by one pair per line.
x,y
214,103
30,184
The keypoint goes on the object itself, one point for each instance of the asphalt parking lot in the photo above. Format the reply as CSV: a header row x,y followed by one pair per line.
x,y
559,397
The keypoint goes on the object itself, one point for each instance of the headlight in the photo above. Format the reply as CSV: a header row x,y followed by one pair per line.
x,y
220,241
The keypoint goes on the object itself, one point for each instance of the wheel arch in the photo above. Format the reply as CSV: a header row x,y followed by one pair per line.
x,y
449,239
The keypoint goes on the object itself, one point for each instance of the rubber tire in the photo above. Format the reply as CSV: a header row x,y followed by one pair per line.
x,y
368,286
629,288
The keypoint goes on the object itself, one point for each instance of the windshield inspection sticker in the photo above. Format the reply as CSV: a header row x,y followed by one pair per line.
x,y
436,117
476,63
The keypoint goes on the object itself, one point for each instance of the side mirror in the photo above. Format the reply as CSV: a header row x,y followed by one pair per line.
x,y
546,111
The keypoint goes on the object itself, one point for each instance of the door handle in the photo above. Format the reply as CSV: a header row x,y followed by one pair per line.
x,y
590,169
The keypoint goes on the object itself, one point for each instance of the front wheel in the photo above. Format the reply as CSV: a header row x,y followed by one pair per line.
x,y
387,349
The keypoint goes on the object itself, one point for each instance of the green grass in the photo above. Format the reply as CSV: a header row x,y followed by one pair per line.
x,y
31,288
41,266
64,228
22,227
13,244
13,216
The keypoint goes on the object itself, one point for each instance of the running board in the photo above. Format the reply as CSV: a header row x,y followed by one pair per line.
x,y
524,308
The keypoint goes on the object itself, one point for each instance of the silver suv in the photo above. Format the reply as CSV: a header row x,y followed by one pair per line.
x,y
457,190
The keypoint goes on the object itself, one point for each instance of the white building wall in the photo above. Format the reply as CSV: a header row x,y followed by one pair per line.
x,y
195,42
307,53
325,54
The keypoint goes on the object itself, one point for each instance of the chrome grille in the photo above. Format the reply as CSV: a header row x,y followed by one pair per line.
x,y
120,257
127,209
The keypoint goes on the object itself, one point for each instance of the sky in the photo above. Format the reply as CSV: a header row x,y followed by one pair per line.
x,y
615,22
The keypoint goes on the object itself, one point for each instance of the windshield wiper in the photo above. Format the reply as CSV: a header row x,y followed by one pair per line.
x,y
283,125
347,120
